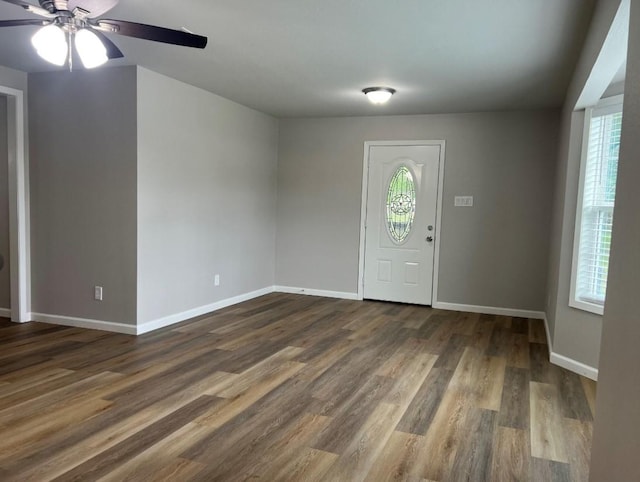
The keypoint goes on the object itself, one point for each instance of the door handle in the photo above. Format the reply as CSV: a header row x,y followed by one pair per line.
x,y
429,239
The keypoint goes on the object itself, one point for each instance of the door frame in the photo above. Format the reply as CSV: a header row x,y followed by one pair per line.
x,y
363,209
19,229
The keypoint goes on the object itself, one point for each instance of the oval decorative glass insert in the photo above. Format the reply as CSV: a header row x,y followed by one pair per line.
x,y
401,204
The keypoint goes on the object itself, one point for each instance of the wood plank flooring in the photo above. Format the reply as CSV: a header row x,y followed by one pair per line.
x,y
288,387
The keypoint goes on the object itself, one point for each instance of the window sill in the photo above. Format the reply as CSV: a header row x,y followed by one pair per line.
x,y
584,306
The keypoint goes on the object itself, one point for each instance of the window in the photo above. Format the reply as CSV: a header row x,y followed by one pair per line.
x,y
596,198
401,204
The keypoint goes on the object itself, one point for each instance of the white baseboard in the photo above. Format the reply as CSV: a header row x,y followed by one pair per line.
x,y
574,366
8,314
199,311
489,310
566,362
150,325
555,358
345,295
84,323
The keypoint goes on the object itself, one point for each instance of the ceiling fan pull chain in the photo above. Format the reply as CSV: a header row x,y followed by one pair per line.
x,y
70,52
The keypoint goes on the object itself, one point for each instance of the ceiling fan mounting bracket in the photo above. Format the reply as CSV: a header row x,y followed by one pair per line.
x,y
69,23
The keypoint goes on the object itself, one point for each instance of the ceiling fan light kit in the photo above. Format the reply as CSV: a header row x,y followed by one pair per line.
x,y
50,43
91,50
67,23
378,95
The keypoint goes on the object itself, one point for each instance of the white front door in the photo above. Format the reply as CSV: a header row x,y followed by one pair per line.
x,y
400,226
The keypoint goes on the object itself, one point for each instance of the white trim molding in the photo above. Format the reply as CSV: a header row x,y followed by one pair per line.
x,y
85,323
489,310
199,311
573,365
5,312
555,358
566,362
605,107
345,295
150,325
18,177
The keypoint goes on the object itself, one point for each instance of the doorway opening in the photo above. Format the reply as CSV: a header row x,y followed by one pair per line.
x,y
18,262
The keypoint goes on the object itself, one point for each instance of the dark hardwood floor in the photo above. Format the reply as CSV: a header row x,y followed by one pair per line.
x,y
288,387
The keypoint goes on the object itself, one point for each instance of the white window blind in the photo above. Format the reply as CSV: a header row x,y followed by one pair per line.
x,y
595,208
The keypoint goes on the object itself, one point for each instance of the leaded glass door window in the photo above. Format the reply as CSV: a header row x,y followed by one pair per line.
x,y
401,204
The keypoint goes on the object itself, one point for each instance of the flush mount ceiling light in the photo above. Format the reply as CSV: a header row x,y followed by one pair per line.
x,y
378,95
69,23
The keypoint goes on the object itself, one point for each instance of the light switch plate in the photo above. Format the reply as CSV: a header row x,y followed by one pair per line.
x,y
463,201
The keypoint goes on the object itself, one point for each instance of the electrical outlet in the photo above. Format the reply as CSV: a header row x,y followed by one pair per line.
x,y
97,293
463,201
216,280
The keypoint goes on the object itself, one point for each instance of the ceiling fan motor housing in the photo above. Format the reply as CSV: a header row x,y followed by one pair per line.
x,y
49,5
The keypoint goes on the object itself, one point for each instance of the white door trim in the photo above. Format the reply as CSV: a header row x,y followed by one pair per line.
x,y
18,208
363,208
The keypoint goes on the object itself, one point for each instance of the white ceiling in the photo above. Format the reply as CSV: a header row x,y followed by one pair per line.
x,y
312,58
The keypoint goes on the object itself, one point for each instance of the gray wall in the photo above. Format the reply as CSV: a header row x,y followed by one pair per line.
x,y
614,89
575,333
13,78
5,280
616,439
206,197
83,193
494,254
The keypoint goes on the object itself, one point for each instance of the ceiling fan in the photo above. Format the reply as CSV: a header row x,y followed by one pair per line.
x,y
78,19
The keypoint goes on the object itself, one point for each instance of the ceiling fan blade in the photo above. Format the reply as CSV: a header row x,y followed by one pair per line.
x,y
151,32
31,8
94,7
20,23
113,52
